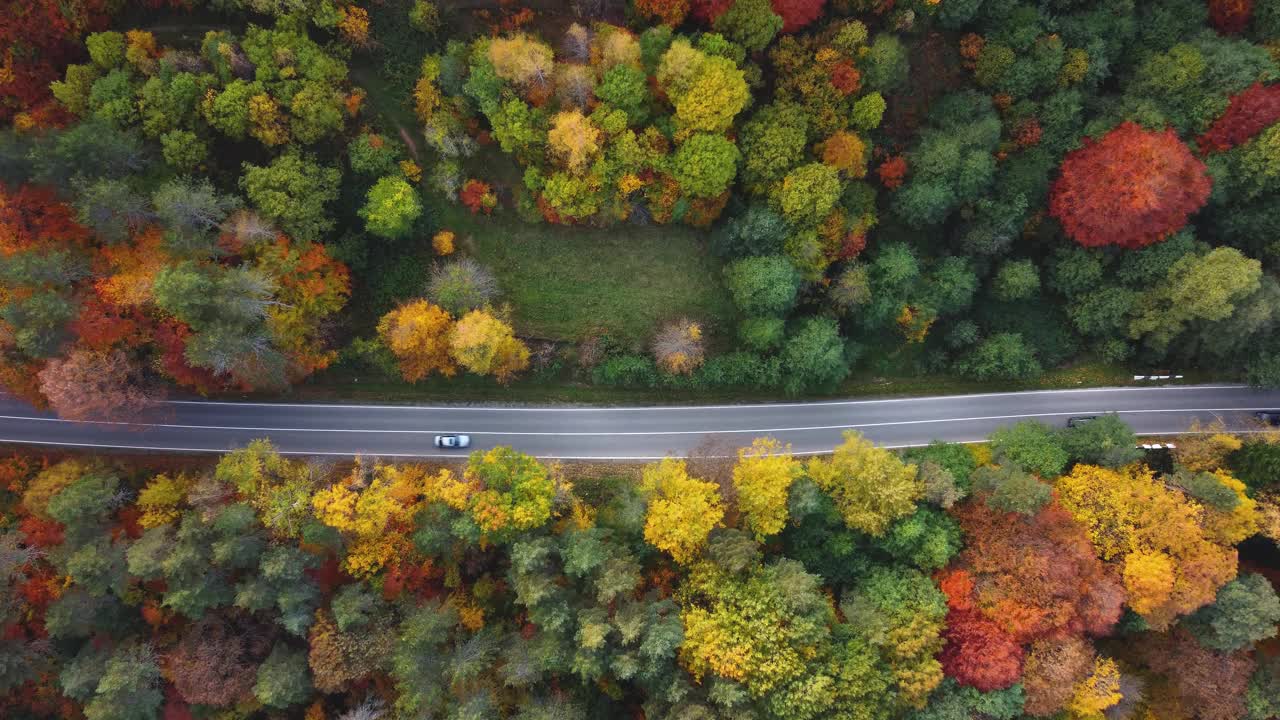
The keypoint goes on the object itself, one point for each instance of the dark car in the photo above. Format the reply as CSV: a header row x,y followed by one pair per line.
x,y
1270,417
453,442
1081,420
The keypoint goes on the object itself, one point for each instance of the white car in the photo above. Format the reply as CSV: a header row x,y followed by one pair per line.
x,y
453,442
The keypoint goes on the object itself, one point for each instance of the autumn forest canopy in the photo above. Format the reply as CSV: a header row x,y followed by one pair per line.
x,y
1048,573
680,196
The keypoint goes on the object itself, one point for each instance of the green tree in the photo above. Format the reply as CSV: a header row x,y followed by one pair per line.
x,y
750,23
391,208
1105,441
625,87
871,486
191,211
773,142
763,286
1197,288
1003,356
293,190
1008,489
1016,280
1032,446
129,688
716,93
1245,611
813,356
902,613
808,193
705,164
315,112
283,679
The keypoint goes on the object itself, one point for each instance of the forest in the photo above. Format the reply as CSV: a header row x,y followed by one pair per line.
x,y
766,197
1047,573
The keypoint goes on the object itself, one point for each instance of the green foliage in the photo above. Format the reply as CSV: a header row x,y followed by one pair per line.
x,y
763,286
391,208
1103,441
1016,280
1245,611
808,193
813,356
1004,356
129,687
283,678
705,164
293,190
1032,446
750,23
1008,489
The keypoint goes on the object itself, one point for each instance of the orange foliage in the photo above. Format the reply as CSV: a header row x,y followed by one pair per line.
x,y
32,217
667,12
978,653
101,325
418,335
1131,188
846,152
478,197
128,270
846,78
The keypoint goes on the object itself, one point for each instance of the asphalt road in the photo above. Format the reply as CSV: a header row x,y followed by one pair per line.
x,y
627,433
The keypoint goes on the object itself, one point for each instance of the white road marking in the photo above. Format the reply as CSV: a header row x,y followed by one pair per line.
x,y
357,431
625,408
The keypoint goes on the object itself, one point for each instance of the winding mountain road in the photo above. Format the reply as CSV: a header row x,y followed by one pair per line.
x,y
625,433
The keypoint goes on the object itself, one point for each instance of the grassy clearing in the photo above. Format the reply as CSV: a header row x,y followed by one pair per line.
x,y
566,283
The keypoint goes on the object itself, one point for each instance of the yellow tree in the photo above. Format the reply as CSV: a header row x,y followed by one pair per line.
x,y
574,140
1157,536
418,334
1205,448
682,510
486,345
762,478
869,485
522,60
369,512
716,94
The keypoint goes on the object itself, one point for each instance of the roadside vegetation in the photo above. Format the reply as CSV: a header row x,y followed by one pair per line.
x,y
1046,573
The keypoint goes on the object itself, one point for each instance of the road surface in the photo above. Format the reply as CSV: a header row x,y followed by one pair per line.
x,y
626,433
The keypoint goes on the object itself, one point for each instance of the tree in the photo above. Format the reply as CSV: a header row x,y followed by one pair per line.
x,y
682,510
625,88
902,612
522,60
1001,356
574,139
813,356
678,346
1051,671
486,345
1169,565
418,335
750,23
1016,280
89,385
1106,440
283,679
190,212
129,687
1245,611
978,654
1208,684
846,152
1031,445
796,14
1131,188
512,492
764,285
391,208
772,141
1204,287
461,285
1008,489
716,93
1248,113
705,164
293,192
762,478
808,193
1257,464
871,487
215,661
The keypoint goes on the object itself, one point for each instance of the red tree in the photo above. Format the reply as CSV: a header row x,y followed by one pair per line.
x,y
708,10
1230,17
38,38
1034,576
978,653
89,385
846,78
1250,112
1131,188
797,13
892,172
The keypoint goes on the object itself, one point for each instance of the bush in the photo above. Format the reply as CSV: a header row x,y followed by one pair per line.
x,y
763,285
461,285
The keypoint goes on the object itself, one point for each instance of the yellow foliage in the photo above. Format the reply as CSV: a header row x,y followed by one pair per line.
x,y
1097,692
1244,520
418,334
49,483
981,453
629,183
470,614
160,498
442,243
869,485
265,122
140,50
574,139
618,47
445,487
353,23
846,152
367,556
411,170
1172,566
486,345
521,59
426,99
763,476
1205,448
682,510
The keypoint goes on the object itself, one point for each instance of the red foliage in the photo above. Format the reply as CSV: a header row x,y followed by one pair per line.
x,y
707,11
420,580
797,13
1036,576
88,385
667,12
1230,17
20,380
40,590
101,325
1131,188
329,575
478,197
892,172
1250,112
170,337
854,243
978,653
16,470
38,38
1206,684
174,707
1027,132
846,78
32,217
41,533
